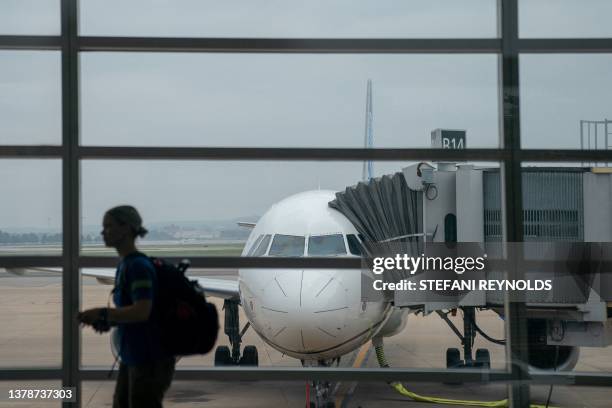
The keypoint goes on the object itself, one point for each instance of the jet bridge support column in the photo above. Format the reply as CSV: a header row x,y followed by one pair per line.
x,y
469,317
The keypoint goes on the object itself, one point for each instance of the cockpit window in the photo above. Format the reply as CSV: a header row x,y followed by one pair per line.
x,y
287,245
254,246
326,245
354,245
263,246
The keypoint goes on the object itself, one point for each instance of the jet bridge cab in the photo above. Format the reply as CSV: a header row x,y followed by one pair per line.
x,y
309,314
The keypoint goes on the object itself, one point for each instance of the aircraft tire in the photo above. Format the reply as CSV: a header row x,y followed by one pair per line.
x,y
453,358
483,358
250,356
222,356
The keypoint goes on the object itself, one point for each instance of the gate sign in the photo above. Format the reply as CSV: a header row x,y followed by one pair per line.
x,y
448,139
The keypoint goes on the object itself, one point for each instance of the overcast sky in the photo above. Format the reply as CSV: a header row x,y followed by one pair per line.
x,y
271,100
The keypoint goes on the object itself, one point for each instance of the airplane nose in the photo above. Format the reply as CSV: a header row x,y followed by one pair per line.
x,y
308,310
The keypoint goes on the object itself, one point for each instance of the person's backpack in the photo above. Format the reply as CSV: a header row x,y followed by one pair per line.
x,y
188,323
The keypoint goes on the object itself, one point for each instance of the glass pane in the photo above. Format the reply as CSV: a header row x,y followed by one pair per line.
x,y
31,310
291,19
326,245
286,100
564,18
287,245
236,394
370,393
254,246
194,208
572,396
242,394
354,245
208,197
564,101
263,246
31,214
566,215
29,17
30,97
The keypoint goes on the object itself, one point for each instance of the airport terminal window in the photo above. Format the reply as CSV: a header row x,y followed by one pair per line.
x,y
565,101
31,316
290,19
30,97
564,18
263,246
326,245
204,224
557,92
29,17
354,245
243,102
30,225
287,245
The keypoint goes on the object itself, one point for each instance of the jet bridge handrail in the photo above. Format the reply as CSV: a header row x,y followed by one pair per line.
x,y
419,234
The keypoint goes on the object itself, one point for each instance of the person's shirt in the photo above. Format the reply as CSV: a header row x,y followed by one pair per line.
x,y
135,279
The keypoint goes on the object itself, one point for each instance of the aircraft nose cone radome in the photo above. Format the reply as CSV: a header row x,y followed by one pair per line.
x,y
307,310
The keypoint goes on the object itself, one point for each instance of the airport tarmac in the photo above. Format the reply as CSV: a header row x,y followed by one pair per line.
x,y
30,310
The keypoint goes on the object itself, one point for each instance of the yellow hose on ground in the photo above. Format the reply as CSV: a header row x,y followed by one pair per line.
x,y
399,387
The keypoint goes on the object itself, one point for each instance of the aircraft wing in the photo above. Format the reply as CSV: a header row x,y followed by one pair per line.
x,y
103,276
106,276
23,271
222,288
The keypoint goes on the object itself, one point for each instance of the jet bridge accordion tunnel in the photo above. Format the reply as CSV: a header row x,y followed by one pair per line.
x,y
455,211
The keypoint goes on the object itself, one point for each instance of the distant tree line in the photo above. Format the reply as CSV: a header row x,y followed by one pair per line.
x,y
40,238
29,238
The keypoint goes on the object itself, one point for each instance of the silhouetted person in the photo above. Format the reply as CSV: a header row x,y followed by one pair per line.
x,y
145,371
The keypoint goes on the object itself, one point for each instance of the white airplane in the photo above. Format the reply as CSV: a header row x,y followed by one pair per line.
x,y
309,314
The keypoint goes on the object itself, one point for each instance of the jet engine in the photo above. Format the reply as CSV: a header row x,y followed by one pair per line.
x,y
395,324
543,356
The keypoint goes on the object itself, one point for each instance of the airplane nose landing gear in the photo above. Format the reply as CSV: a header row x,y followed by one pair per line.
x,y
223,355
323,396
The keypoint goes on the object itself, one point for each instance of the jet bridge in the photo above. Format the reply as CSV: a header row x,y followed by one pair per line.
x,y
450,203
384,211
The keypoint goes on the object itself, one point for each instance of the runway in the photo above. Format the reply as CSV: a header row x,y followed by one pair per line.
x,y
30,310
